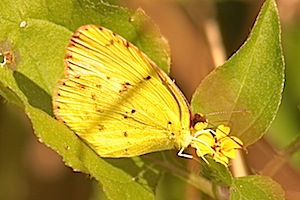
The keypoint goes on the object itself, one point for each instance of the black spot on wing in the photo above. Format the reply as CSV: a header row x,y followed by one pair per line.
x,y
146,79
98,86
124,87
101,127
94,97
127,114
110,43
81,86
99,111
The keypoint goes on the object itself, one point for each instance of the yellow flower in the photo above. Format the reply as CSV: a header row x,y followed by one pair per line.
x,y
202,145
222,146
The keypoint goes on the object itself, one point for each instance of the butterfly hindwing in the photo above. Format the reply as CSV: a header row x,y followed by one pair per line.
x,y
116,99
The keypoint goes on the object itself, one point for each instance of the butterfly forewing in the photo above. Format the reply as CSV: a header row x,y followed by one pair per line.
x,y
116,99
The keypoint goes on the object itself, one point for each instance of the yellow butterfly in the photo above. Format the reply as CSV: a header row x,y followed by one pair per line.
x,y
118,101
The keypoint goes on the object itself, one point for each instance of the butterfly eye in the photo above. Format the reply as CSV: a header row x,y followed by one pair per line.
x,y
197,118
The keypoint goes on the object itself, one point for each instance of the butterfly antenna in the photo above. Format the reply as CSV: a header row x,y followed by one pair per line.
x,y
228,112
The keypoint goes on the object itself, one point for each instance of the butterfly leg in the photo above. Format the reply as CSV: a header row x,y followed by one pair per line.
x,y
200,141
181,154
201,155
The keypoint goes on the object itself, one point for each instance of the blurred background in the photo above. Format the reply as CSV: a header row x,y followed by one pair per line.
x,y
202,34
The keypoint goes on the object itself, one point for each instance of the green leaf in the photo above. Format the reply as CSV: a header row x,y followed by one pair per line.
x,y
34,36
286,126
252,79
256,187
36,33
217,172
116,183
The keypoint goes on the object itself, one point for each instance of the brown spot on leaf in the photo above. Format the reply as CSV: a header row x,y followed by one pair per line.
x,y
131,19
9,56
